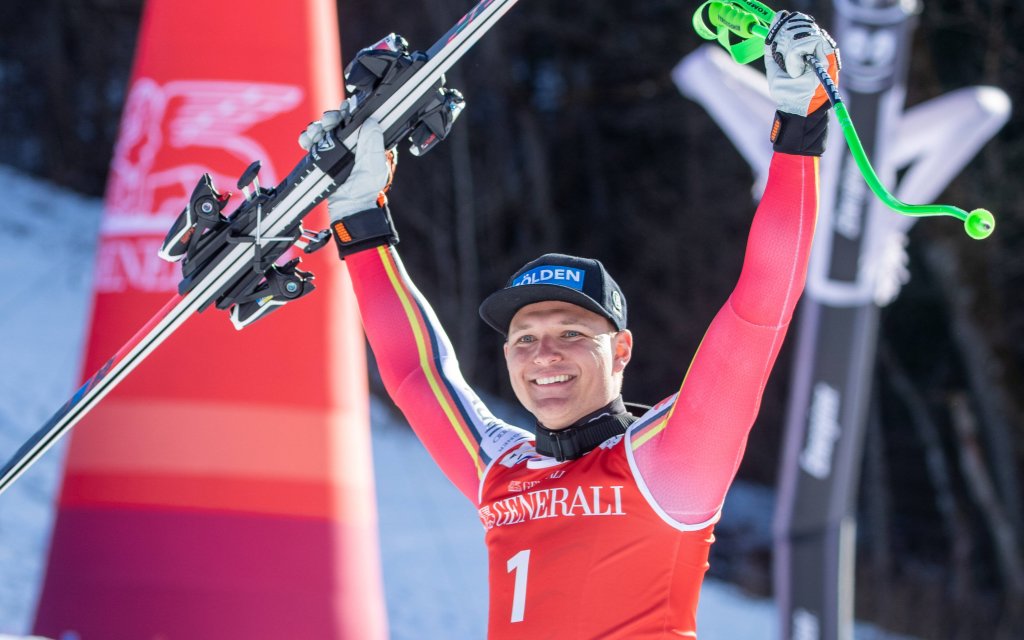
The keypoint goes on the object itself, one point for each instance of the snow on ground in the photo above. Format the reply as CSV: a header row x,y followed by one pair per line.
x,y
430,534
47,242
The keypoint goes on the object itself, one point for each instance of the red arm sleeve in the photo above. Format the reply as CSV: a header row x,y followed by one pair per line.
x,y
421,373
687,452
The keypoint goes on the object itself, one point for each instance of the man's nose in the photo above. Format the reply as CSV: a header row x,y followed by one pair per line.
x,y
547,351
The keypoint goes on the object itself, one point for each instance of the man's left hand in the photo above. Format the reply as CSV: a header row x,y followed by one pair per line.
x,y
791,80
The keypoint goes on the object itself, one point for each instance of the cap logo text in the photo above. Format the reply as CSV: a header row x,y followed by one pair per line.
x,y
562,276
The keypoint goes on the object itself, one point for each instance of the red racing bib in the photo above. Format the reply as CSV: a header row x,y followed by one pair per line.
x,y
577,551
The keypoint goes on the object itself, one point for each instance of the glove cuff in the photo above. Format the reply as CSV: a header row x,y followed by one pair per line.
x,y
364,230
801,135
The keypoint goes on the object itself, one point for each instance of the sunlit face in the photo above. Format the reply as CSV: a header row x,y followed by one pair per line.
x,y
564,361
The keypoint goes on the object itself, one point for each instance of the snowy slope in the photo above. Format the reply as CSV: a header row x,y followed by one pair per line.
x,y
431,541
47,241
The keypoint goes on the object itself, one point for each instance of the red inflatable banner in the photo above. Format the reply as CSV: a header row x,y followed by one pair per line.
x,y
225,489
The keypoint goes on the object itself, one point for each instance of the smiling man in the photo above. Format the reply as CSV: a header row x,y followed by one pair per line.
x,y
567,345
564,361
598,521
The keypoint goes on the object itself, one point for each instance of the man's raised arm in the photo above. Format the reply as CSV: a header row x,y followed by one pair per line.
x,y
688,455
415,358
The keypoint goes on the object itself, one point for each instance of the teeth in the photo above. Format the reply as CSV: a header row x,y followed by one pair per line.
x,y
553,379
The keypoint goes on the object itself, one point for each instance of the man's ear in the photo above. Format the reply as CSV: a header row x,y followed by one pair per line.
x,y
622,350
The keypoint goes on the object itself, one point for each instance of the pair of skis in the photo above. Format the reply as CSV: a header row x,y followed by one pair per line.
x,y
230,261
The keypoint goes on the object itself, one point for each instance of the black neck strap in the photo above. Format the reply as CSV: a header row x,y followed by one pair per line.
x,y
583,436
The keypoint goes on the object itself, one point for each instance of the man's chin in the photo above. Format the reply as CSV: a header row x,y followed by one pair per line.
x,y
552,417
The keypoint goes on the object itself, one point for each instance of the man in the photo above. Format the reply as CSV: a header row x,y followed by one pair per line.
x,y
599,525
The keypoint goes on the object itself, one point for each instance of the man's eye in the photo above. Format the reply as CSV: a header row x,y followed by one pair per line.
x,y
524,339
572,334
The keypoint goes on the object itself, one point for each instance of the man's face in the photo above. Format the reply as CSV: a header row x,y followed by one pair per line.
x,y
564,361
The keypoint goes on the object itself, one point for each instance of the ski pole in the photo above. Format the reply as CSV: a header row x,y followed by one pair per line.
x,y
748,21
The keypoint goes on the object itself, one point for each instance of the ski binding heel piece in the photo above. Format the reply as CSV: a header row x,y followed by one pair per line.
x,y
202,214
436,121
376,65
281,285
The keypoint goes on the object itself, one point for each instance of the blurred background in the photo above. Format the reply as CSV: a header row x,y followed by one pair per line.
x,y
575,139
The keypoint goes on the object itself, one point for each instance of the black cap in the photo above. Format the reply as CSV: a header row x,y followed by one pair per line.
x,y
555,276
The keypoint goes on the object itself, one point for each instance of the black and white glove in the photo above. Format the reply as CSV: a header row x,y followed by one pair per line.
x,y
358,208
801,121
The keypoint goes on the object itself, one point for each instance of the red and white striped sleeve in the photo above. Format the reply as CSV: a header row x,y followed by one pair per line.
x,y
421,373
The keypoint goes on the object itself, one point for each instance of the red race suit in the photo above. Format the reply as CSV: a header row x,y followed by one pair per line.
x,y
615,543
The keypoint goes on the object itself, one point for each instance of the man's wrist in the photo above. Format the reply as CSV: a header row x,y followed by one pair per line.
x,y
800,135
364,230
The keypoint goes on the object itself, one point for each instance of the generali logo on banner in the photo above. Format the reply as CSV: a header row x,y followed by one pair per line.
x,y
170,135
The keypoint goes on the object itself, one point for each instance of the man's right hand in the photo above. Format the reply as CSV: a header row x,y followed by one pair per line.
x,y
372,173
359,219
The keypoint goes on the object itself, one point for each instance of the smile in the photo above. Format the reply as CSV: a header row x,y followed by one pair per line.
x,y
553,379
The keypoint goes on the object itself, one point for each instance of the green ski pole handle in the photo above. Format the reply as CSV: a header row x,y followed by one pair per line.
x,y
748,20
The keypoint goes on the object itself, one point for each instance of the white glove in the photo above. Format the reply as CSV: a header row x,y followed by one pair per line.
x,y
791,81
371,175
